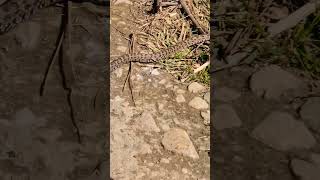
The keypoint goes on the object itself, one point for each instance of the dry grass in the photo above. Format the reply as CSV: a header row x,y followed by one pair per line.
x,y
297,47
171,26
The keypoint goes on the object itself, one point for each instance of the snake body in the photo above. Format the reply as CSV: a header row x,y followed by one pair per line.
x,y
156,57
13,12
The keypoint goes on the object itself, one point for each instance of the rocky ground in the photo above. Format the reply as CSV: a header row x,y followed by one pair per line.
x,y
265,122
266,125
164,132
37,137
264,118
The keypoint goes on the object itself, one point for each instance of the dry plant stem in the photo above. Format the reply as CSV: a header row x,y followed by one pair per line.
x,y
293,19
233,41
193,19
203,66
277,28
169,4
128,78
52,61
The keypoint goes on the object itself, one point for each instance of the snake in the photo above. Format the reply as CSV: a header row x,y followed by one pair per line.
x,y
157,56
14,12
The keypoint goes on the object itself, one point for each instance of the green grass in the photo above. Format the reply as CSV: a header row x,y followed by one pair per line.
x,y
184,68
202,76
298,47
305,49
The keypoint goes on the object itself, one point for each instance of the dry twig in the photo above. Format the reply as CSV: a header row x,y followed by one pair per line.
x,y
195,22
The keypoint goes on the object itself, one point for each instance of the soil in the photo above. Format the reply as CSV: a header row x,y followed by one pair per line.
x,y
138,125
37,131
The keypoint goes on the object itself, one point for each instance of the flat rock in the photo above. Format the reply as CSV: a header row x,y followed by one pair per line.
x,y
226,94
206,117
180,91
147,123
305,170
165,161
198,103
178,141
272,82
310,113
195,87
224,117
281,131
180,98
206,96
155,72
163,81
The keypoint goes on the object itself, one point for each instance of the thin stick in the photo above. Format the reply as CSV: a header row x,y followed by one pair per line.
x,y
128,77
193,19
293,19
203,66
53,59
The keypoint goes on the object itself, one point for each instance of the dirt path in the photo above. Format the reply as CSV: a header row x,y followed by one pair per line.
x,y
162,137
265,117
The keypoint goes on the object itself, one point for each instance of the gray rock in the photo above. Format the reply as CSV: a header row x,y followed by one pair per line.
x,y
147,123
272,82
225,117
226,94
178,141
206,117
195,87
281,131
180,98
206,96
155,72
198,103
165,161
305,170
180,91
310,113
